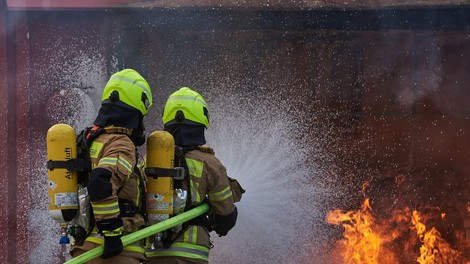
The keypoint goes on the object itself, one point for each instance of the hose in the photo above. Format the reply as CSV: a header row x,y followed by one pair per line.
x,y
143,233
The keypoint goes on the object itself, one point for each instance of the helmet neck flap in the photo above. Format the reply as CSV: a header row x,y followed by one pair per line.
x,y
187,135
118,116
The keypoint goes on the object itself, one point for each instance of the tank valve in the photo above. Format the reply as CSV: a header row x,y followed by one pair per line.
x,y
64,238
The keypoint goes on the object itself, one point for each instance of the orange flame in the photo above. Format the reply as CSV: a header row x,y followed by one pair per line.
x,y
434,249
368,239
363,243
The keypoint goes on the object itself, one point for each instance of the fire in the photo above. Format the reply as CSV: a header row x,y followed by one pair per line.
x,y
364,239
433,249
402,237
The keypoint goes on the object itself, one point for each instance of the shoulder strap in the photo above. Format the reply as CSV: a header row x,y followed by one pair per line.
x,y
90,134
84,140
180,161
180,153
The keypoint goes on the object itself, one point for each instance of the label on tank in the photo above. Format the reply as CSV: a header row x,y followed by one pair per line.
x,y
66,199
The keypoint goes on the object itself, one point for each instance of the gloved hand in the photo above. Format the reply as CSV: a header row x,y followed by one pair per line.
x,y
112,232
223,223
112,246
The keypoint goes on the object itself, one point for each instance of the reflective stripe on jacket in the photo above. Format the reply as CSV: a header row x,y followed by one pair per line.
x,y
193,243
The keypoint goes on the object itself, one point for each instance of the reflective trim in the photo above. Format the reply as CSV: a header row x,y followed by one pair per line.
x,y
95,149
195,167
179,249
132,82
220,196
102,209
126,164
137,199
113,233
186,98
107,161
97,239
190,235
194,192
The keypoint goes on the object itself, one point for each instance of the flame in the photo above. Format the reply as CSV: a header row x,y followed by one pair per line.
x,y
434,249
363,243
371,239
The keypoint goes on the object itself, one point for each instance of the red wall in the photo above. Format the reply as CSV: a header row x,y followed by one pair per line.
x,y
14,100
4,234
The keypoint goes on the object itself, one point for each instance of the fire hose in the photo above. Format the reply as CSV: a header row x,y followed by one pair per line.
x,y
143,233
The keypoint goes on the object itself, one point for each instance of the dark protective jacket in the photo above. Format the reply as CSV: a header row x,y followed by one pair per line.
x,y
208,183
116,187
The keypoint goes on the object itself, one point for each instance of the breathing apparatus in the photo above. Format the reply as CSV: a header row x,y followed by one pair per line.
x,y
68,199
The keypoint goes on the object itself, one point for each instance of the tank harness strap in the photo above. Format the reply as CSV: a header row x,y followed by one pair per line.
x,y
176,173
126,208
92,133
77,164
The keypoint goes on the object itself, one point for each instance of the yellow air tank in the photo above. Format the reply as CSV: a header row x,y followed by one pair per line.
x,y
63,183
160,154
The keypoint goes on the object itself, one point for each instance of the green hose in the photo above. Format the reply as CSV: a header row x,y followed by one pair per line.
x,y
143,233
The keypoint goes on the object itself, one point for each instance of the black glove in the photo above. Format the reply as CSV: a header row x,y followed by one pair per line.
x,y
223,223
112,246
112,232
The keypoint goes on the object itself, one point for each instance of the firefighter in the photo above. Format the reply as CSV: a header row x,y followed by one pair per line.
x,y
115,186
186,117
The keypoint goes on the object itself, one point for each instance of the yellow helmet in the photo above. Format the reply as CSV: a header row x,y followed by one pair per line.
x,y
188,102
129,89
